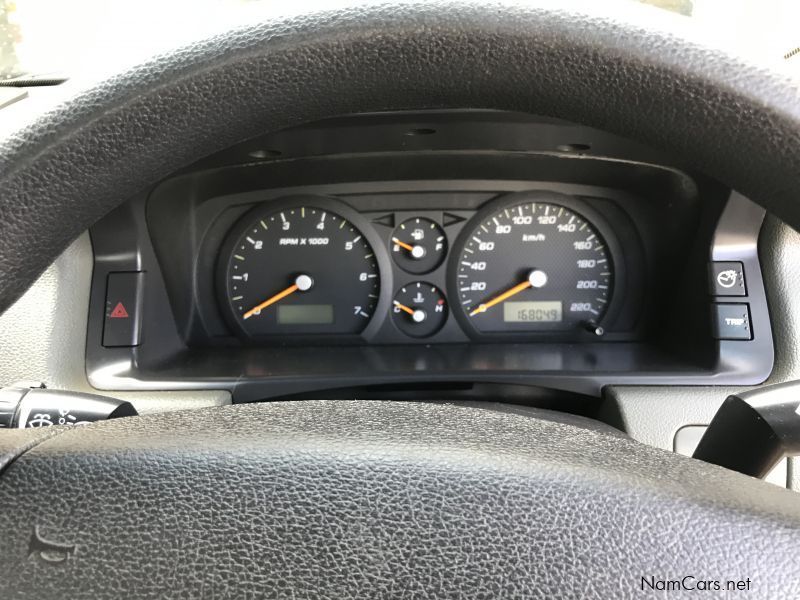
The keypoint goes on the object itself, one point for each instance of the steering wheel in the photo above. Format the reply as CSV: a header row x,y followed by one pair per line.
x,y
382,499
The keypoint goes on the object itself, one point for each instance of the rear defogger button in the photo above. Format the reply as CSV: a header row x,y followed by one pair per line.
x,y
727,279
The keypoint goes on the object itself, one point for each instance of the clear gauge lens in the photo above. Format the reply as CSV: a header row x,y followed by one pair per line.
x,y
533,266
419,245
419,309
300,270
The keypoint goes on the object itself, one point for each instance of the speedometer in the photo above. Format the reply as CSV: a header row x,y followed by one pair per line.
x,y
532,262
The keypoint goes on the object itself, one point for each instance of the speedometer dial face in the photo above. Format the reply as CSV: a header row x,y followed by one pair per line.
x,y
300,269
533,266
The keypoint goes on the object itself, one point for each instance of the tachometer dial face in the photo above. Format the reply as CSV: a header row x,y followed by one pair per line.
x,y
532,266
300,270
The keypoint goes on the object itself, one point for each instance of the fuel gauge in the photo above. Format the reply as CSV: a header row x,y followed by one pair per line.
x,y
418,245
419,309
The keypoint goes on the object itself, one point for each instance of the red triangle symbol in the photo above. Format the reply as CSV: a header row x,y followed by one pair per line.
x,y
119,312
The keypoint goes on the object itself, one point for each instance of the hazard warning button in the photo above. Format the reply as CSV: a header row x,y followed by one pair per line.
x,y
119,312
122,323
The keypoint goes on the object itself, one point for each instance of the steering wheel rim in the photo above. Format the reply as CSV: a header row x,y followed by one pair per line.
x,y
66,165
346,499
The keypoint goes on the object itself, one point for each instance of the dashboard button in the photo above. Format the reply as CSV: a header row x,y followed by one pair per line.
x,y
122,322
727,279
731,322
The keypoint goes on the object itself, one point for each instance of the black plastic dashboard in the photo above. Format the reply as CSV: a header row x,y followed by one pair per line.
x,y
322,213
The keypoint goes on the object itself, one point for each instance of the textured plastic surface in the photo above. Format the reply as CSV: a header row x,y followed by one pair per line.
x,y
49,347
381,500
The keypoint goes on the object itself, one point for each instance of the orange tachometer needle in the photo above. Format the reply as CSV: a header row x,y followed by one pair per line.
x,y
403,245
535,279
404,308
279,296
303,283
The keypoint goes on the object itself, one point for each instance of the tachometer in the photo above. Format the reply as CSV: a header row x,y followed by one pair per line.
x,y
301,268
532,262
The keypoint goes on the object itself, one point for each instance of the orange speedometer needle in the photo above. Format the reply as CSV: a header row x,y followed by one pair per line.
x,y
535,279
498,299
303,283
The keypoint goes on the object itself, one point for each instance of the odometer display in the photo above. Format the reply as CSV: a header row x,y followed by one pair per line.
x,y
532,312
532,266
305,314
301,269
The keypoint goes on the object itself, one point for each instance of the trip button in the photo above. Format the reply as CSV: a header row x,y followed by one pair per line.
x,y
731,322
122,322
727,279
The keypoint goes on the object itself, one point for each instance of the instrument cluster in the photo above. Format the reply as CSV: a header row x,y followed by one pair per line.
x,y
361,262
526,264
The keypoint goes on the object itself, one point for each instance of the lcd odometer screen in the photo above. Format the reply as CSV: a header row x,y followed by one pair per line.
x,y
532,312
305,314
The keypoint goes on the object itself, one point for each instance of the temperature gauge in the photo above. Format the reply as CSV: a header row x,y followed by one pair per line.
x,y
418,245
419,309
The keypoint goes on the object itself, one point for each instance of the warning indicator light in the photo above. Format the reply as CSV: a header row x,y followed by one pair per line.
x,y
119,312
